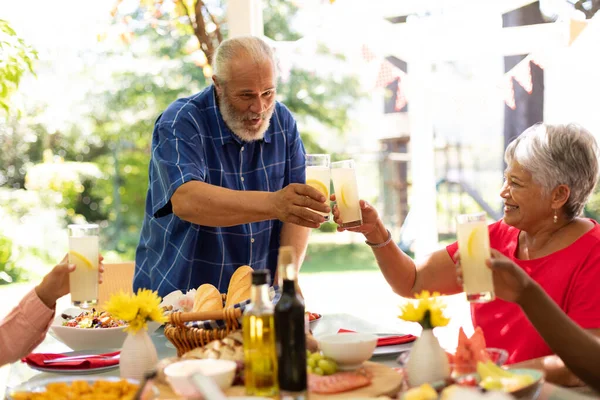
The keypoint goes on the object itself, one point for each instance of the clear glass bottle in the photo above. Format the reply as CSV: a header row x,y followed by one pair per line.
x,y
290,331
258,327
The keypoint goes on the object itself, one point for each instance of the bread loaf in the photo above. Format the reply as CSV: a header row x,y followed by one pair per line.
x,y
239,286
207,298
229,348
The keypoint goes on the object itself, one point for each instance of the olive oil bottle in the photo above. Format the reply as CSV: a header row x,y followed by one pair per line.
x,y
258,327
290,330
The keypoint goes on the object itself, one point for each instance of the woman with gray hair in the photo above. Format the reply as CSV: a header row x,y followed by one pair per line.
x,y
551,172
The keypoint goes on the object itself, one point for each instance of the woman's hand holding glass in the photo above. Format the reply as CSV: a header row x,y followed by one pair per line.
x,y
510,280
56,282
372,226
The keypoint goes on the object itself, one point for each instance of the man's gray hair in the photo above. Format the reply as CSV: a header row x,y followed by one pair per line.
x,y
559,155
257,49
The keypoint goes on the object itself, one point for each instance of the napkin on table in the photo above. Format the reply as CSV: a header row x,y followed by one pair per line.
x,y
37,360
388,340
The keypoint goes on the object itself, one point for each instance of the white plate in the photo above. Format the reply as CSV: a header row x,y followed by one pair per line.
x,y
73,371
391,349
40,385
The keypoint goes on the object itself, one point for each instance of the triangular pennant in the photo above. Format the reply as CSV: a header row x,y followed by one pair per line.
x,y
575,29
400,96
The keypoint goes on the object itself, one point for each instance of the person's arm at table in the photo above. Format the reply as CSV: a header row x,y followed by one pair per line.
x,y
209,205
24,328
406,277
26,325
578,349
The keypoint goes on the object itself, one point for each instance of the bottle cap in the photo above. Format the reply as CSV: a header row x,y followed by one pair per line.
x,y
261,277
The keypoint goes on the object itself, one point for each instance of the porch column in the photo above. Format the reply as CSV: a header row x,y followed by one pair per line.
x,y
244,17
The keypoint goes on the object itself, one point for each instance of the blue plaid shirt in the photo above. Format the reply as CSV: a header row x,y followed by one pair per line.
x,y
192,142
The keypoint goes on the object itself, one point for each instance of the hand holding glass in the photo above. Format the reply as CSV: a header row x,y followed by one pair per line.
x,y
318,175
345,186
84,253
474,248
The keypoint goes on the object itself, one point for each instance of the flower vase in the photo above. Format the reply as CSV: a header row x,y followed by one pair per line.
x,y
138,355
427,362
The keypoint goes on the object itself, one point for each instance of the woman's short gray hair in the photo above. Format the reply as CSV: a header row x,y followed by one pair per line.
x,y
559,155
257,49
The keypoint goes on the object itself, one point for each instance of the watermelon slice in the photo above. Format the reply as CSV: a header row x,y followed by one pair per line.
x,y
468,352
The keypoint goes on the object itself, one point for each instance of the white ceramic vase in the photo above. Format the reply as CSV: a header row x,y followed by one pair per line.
x,y
427,361
138,355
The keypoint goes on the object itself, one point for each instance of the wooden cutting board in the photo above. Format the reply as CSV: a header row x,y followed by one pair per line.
x,y
386,382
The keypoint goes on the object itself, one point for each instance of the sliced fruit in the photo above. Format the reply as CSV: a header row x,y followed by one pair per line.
x,y
497,371
344,198
79,259
320,186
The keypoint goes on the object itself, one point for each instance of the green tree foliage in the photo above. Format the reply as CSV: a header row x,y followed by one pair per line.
x,y
16,58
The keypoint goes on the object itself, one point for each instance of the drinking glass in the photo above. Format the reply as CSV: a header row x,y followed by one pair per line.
x,y
318,175
343,175
474,248
83,252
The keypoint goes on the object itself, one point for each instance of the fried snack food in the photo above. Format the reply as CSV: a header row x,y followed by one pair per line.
x,y
207,298
83,390
239,286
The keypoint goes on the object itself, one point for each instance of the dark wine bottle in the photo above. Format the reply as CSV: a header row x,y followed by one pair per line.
x,y
289,331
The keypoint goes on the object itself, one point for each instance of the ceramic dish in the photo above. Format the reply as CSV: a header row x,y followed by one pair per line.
x,y
84,371
40,384
85,338
529,392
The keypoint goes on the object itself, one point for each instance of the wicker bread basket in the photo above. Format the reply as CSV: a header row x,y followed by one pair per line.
x,y
185,337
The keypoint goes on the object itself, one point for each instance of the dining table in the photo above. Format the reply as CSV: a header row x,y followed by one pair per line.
x,y
20,373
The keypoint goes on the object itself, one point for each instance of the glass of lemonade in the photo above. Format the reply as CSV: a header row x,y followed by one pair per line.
x,y
474,248
84,252
343,175
318,175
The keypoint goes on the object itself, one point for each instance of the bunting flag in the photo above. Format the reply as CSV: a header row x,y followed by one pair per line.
x,y
400,97
521,74
367,53
387,73
575,29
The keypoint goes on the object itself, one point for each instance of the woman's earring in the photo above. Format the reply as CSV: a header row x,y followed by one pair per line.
x,y
555,216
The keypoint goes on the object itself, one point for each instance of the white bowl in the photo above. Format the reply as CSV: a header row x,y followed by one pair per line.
x,y
86,339
178,374
349,350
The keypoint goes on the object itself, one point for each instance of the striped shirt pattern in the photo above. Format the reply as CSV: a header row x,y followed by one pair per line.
x,y
191,142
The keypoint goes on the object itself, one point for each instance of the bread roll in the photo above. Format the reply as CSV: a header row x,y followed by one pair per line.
x,y
207,298
239,286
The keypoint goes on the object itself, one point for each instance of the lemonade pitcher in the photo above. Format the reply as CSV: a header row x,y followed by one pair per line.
x,y
84,252
318,175
343,175
474,248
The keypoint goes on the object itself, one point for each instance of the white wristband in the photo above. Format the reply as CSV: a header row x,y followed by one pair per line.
x,y
379,245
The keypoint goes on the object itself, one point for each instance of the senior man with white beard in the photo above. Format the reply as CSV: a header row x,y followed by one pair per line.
x,y
227,175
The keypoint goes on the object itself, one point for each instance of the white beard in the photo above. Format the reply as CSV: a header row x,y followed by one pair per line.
x,y
235,121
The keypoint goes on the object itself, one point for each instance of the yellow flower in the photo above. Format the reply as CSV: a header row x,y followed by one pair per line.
x,y
136,309
427,310
436,316
121,306
412,313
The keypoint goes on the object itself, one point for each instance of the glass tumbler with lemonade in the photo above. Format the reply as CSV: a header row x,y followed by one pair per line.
x,y
343,175
474,248
318,175
84,253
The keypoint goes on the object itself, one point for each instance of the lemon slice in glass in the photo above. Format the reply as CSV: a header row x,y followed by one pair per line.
x,y
79,259
320,186
474,241
344,196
